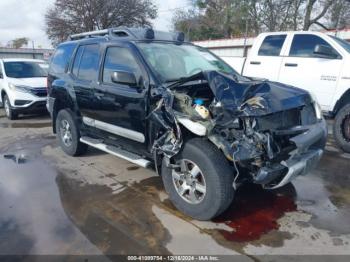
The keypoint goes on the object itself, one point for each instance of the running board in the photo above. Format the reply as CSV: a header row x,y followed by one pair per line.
x,y
126,155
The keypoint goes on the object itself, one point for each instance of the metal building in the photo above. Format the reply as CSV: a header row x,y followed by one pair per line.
x,y
240,47
6,52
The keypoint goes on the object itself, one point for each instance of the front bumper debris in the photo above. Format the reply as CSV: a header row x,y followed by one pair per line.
x,y
308,152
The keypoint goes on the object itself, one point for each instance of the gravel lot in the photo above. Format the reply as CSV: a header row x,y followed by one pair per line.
x,y
51,203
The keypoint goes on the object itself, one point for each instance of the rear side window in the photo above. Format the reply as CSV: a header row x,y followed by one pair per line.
x,y
119,58
61,58
86,62
272,45
304,45
77,60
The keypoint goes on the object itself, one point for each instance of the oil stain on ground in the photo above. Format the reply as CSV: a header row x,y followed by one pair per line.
x,y
117,224
325,194
32,220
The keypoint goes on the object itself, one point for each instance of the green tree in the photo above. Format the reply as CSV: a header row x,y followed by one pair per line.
x,y
227,18
68,17
19,42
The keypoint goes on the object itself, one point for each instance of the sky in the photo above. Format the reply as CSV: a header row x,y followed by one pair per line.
x,y
25,18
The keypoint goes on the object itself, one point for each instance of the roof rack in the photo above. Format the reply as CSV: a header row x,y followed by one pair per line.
x,y
101,33
135,33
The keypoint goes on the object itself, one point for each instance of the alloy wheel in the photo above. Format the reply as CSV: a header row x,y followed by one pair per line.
x,y
66,133
189,181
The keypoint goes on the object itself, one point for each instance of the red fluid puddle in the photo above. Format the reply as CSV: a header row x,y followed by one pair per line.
x,y
255,212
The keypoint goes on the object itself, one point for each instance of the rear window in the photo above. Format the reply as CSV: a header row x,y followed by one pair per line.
x,y
272,45
61,58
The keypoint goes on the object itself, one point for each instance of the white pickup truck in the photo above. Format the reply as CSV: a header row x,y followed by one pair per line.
x,y
313,61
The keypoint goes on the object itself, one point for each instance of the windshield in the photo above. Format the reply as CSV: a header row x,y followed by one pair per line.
x,y
173,62
343,43
24,69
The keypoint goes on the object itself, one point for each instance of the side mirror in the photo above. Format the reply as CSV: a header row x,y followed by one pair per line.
x,y
124,77
1,75
325,51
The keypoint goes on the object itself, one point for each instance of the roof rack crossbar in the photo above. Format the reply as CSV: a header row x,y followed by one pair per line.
x,y
99,33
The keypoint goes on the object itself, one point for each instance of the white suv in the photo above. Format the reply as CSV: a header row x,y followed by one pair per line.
x,y
23,86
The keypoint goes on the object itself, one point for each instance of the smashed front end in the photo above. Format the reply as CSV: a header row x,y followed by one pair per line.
x,y
270,132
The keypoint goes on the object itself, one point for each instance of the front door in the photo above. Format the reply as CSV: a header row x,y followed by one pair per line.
x,y
122,108
305,69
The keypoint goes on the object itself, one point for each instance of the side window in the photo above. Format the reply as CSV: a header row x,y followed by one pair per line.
x,y
77,60
304,45
86,62
272,45
119,58
61,58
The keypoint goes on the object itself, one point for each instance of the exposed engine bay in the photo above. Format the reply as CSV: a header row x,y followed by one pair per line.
x,y
254,124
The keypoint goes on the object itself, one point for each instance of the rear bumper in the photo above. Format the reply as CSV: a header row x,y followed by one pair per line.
x,y
309,150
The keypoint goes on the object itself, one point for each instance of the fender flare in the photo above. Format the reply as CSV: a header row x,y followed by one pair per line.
x,y
342,101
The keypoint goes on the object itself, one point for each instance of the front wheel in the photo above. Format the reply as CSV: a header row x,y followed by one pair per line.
x,y
341,128
10,114
201,184
68,134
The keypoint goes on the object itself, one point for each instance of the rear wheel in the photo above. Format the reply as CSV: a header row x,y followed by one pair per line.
x,y
68,134
201,184
10,114
341,128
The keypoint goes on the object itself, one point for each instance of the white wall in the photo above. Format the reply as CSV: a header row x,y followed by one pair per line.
x,y
235,47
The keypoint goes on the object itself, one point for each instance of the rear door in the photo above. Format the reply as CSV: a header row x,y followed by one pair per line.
x,y
266,61
305,69
122,109
85,73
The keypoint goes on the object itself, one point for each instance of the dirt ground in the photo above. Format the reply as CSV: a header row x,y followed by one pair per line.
x,y
97,204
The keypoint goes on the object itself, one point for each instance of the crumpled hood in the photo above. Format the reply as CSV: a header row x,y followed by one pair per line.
x,y
255,98
33,82
250,98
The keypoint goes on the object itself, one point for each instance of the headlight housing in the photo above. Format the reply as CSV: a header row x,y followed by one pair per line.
x,y
19,88
317,107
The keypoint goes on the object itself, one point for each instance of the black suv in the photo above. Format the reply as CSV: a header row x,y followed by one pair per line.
x,y
154,99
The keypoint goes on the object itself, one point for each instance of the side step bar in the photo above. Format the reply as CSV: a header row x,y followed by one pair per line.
x,y
131,157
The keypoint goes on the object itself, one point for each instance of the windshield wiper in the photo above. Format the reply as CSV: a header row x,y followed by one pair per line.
x,y
175,80
182,80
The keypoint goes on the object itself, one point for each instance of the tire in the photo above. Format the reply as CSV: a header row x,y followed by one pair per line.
x,y
341,128
68,134
10,114
216,173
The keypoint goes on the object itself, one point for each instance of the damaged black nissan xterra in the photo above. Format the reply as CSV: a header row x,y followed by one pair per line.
x,y
153,99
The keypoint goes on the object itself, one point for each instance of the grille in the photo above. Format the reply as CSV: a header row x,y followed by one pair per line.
x,y
40,91
280,120
287,119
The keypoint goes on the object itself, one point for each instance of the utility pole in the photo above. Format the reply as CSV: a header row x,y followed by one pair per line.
x,y
245,51
33,49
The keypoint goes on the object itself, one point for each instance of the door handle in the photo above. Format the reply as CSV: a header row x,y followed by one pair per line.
x,y
291,64
255,63
99,94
